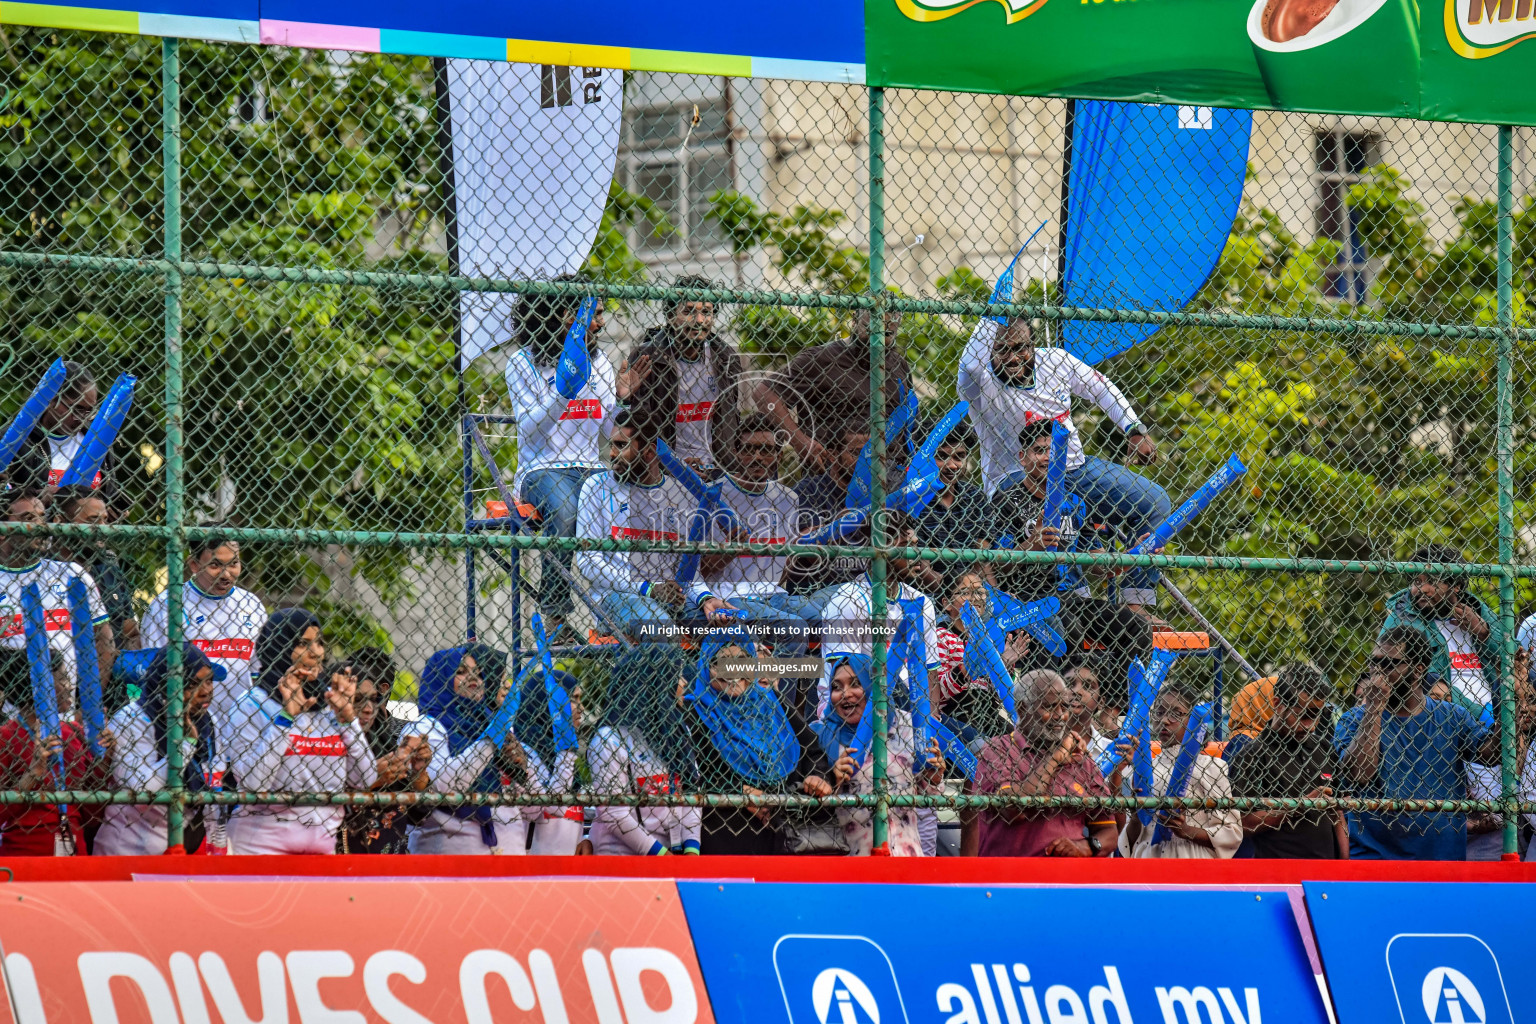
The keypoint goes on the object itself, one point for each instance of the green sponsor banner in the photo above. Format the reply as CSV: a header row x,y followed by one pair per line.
x,y
1451,60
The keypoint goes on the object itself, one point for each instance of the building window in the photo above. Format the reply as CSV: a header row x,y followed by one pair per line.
x,y
679,169
1340,159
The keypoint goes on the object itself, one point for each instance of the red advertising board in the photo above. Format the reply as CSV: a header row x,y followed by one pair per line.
x,y
350,952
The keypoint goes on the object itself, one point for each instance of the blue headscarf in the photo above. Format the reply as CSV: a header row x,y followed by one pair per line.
x,y
152,703
543,722
464,720
834,733
750,732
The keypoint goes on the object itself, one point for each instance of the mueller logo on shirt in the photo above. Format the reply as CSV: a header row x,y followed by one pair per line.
x,y
54,619
654,785
630,533
55,475
694,412
1460,660
1036,417
238,650
315,746
583,409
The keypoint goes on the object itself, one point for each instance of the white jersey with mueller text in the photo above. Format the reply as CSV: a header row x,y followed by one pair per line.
x,y
554,432
999,411
696,394
1466,662
62,449
769,516
611,510
224,628
52,579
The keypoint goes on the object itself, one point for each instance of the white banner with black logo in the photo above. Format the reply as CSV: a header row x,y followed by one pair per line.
x,y
534,151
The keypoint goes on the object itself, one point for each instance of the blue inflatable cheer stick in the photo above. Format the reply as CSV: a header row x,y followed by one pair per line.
x,y
100,434
1196,503
45,699
1056,478
575,366
1184,765
984,661
31,411
87,668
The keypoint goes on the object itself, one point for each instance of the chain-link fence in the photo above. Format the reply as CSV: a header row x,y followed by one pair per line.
x,y
473,557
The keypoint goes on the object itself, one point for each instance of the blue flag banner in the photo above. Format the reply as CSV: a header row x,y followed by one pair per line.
x,y
99,436
1151,196
87,667
31,410
773,953
1004,290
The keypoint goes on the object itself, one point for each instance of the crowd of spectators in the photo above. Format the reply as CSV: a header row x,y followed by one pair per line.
x,y
1036,712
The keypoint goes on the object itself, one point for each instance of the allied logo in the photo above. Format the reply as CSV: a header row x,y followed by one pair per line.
x,y
840,997
1447,979
837,979
938,10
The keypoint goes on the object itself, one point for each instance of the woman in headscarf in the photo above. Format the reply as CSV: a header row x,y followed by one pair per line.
x,y
548,717
746,739
643,748
458,702
845,748
294,731
141,726
29,761
401,764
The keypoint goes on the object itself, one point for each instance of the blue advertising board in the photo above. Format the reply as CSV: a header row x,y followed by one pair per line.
x,y
1434,953
904,954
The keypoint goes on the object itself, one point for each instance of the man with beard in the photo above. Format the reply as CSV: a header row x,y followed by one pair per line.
x,y
1463,633
1044,756
685,378
84,506
1292,758
1397,745
22,562
637,500
1011,384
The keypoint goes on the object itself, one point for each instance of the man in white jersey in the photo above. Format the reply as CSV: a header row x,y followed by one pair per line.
x,y
22,563
1463,633
1010,383
219,618
559,435
686,379
769,512
636,500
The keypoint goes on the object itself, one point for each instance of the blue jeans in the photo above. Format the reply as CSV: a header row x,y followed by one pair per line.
x,y
628,609
787,610
555,493
1131,504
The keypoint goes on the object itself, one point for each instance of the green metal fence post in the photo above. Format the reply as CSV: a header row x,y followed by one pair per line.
x,y
175,546
878,538
1505,456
